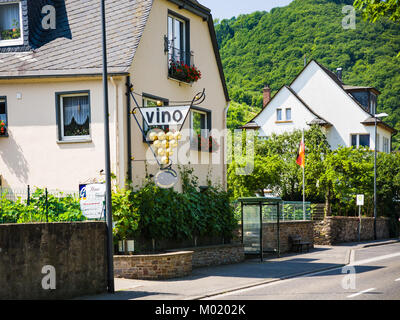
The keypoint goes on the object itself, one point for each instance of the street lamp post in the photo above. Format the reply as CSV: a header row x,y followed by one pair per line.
x,y
376,116
110,258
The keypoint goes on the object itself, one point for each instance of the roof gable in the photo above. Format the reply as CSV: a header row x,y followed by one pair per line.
x,y
318,119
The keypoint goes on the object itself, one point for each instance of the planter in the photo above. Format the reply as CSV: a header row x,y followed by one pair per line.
x,y
183,72
154,266
204,145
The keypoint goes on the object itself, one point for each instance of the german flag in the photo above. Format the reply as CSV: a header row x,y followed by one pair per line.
x,y
301,155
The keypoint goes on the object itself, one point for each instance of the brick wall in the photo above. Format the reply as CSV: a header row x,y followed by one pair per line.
x,y
334,230
77,251
154,267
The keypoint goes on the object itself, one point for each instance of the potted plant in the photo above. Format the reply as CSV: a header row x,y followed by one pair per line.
x,y
205,144
183,72
3,128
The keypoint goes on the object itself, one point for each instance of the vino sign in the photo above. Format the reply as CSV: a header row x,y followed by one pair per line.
x,y
165,115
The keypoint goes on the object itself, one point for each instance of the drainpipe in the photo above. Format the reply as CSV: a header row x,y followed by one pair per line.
x,y
128,128
117,136
224,172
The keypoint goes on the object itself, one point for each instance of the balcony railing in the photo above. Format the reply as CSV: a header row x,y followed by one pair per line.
x,y
178,58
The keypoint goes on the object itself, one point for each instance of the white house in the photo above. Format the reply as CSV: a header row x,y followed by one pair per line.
x,y
318,96
51,93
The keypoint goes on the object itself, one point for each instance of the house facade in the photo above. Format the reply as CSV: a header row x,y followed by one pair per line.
x,y
51,94
318,96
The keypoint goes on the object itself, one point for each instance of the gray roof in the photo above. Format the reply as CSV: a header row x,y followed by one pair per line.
x,y
82,53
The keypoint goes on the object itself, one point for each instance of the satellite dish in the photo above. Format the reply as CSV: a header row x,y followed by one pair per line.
x,y
166,178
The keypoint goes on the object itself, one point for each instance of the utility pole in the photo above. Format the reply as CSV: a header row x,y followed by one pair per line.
x,y
110,253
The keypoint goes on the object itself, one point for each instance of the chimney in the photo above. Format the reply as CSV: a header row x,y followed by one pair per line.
x,y
339,72
266,95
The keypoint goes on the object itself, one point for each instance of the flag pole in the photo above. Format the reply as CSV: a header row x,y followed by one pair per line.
x,y
304,181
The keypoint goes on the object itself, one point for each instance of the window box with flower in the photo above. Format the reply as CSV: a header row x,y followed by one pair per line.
x,y
204,144
3,129
181,71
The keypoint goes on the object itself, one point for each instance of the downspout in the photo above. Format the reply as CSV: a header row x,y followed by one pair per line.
x,y
117,137
224,165
128,129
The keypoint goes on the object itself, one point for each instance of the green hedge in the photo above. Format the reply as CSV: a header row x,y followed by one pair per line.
x,y
165,214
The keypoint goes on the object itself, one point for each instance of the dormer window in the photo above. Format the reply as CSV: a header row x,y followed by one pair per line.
x,y
372,103
11,33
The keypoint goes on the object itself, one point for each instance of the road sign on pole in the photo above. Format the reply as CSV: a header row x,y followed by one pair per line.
x,y
360,203
360,199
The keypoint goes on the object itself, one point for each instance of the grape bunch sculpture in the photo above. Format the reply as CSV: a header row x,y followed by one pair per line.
x,y
165,143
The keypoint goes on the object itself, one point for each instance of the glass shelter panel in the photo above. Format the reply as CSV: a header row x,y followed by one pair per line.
x,y
251,228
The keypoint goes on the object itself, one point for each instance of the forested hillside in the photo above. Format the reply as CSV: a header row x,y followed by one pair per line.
x,y
269,48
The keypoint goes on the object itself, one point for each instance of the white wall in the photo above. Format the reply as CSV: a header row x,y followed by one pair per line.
x,y
31,154
267,120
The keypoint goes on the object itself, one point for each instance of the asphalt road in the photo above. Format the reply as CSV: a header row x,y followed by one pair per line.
x,y
373,274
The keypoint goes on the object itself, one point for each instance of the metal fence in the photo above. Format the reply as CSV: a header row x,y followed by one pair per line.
x,y
289,211
39,205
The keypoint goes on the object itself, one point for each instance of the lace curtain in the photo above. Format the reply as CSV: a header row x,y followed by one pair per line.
x,y
9,15
76,108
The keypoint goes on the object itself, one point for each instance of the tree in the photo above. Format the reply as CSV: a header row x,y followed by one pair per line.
x,y
374,10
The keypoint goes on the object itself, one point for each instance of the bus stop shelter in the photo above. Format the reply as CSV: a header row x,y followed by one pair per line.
x,y
254,213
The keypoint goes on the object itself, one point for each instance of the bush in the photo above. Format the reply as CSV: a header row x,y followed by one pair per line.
x,y
165,214
55,209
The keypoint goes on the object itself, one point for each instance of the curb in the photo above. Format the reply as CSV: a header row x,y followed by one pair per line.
x,y
380,243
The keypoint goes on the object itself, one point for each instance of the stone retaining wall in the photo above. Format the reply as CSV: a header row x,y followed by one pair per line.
x,y
154,267
77,251
217,255
286,229
333,230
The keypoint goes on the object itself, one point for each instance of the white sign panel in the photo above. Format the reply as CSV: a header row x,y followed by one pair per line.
x,y
165,115
360,199
92,198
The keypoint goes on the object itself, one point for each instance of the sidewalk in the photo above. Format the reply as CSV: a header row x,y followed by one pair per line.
x,y
206,282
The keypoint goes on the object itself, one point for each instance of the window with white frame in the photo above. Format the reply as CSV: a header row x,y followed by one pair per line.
x,y
288,114
278,114
386,146
178,35
3,116
360,140
200,125
74,116
11,31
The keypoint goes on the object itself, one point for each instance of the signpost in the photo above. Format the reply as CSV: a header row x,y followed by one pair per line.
x,y
360,203
92,200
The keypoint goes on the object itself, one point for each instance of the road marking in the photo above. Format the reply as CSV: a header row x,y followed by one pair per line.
x,y
278,281
397,279
388,256
360,293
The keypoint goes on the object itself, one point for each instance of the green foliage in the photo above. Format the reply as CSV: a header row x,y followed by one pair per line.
x,y
125,213
239,114
275,166
55,209
164,214
334,177
268,48
374,10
